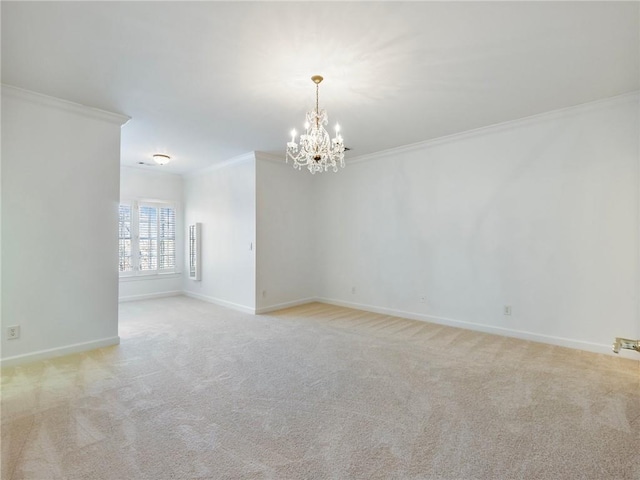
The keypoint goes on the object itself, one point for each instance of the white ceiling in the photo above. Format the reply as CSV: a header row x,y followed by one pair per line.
x,y
207,81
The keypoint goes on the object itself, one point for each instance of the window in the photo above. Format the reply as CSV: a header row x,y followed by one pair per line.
x,y
147,238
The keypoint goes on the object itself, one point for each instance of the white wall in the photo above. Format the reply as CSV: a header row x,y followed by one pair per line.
x,y
540,214
223,199
151,184
285,254
60,191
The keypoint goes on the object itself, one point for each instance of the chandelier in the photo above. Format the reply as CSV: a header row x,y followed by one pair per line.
x,y
316,150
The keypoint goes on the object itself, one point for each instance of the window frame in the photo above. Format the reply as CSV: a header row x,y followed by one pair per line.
x,y
136,271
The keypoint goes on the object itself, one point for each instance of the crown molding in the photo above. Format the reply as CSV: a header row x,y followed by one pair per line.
x,y
65,105
245,157
148,170
499,127
271,157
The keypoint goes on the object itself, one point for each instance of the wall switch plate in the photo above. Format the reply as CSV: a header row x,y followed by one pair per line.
x,y
13,332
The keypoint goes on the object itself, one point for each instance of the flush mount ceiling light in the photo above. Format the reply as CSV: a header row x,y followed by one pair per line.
x,y
161,158
316,150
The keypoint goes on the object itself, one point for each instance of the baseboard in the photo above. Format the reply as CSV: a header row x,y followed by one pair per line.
x,y
148,296
222,303
280,306
58,352
505,332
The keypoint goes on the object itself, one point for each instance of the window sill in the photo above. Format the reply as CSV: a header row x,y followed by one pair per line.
x,y
151,276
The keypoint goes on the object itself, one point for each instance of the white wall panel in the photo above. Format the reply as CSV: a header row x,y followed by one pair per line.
x,y
540,214
286,213
60,191
224,201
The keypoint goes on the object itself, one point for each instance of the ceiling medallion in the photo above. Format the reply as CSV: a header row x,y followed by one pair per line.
x,y
316,150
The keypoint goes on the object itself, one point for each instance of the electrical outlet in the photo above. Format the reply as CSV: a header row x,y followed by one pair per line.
x,y
353,290
13,332
264,294
507,310
423,299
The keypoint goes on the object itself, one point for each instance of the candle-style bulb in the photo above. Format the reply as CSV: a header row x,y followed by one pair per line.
x,y
337,128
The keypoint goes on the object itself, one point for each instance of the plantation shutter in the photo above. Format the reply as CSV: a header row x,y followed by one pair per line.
x,y
148,237
167,239
125,261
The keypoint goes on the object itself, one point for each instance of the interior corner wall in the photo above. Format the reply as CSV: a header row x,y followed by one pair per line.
x,y
540,214
285,254
223,200
151,184
60,191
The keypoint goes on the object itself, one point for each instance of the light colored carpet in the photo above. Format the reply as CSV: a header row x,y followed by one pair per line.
x,y
317,392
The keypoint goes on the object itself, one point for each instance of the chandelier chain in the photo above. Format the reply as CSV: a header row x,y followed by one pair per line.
x,y
317,103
